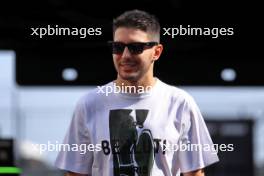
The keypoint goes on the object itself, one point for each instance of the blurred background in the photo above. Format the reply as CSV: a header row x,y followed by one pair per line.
x,y
41,79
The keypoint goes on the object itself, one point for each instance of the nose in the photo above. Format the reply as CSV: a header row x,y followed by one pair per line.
x,y
126,53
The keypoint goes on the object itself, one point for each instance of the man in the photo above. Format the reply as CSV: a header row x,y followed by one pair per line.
x,y
137,132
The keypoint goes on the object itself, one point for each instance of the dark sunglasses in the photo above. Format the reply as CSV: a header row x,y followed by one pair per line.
x,y
134,47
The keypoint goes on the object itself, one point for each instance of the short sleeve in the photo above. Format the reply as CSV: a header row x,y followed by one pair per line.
x,y
197,149
72,157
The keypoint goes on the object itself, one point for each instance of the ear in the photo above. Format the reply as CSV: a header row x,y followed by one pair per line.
x,y
157,52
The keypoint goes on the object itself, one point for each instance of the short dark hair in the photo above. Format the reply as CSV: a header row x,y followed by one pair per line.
x,y
139,20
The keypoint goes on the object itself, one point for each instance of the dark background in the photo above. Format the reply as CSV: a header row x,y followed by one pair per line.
x,y
187,60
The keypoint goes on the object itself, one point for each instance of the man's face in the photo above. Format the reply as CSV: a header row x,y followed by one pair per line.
x,y
133,67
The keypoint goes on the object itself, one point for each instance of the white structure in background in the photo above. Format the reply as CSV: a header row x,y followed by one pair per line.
x,y
6,92
42,115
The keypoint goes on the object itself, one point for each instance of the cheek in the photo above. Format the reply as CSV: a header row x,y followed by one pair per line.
x,y
114,56
115,59
115,62
148,58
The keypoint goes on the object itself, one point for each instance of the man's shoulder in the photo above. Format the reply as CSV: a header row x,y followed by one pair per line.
x,y
176,92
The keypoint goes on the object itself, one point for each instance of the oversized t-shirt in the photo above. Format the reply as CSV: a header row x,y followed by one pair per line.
x,y
156,133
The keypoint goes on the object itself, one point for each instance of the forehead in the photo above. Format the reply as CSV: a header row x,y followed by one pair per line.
x,y
126,35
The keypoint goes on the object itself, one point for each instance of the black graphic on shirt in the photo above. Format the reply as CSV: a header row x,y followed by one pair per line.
x,y
132,145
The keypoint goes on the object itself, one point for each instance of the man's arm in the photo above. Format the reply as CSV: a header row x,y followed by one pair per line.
x,y
199,172
74,174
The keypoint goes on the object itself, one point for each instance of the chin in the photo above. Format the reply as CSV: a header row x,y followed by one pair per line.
x,y
129,77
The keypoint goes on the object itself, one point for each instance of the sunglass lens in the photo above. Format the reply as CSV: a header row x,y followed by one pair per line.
x,y
136,48
118,48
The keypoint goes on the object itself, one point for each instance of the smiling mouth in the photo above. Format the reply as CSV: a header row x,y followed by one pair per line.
x,y
128,64
127,67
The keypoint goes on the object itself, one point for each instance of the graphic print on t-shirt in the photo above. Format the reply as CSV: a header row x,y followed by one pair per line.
x,y
132,145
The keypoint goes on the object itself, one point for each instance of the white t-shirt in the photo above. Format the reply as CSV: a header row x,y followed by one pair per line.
x,y
158,133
